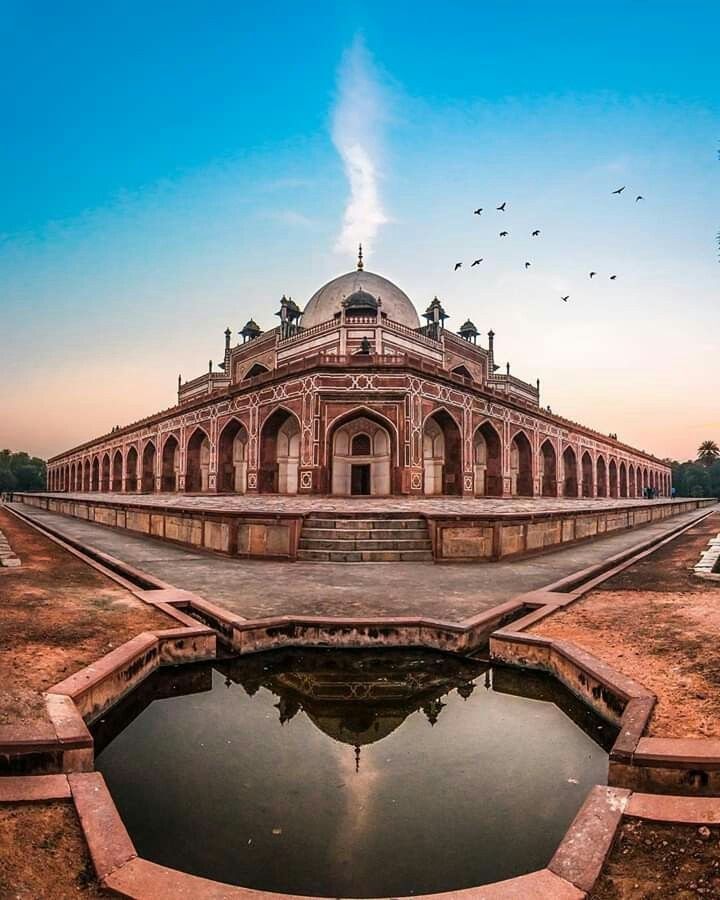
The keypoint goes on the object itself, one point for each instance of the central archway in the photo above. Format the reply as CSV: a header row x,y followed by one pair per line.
x,y
280,453
549,470
442,464
521,470
232,458
361,457
197,467
487,456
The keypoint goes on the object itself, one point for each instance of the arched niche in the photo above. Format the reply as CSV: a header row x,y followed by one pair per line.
x,y
442,464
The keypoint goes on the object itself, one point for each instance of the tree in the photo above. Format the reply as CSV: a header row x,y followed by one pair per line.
x,y
21,472
708,452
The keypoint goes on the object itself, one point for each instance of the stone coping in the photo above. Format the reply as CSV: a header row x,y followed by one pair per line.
x,y
683,765
571,873
708,566
572,870
442,507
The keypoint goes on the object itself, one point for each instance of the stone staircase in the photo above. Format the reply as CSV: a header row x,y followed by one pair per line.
x,y
332,537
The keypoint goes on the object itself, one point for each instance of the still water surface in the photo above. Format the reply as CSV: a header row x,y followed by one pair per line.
x,y
350,774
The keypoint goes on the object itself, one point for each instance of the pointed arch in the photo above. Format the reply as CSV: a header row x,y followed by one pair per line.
x,y
487,459
117,471
232,457
362,450
613,478
587,474
442,454
131,469
601,477
169,477
521,465
631,481
279,452
548,461
622,471
570,473
149,466
105,473
86,475
197,461
95,485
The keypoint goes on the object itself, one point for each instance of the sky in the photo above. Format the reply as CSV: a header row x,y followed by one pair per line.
x,y
168,170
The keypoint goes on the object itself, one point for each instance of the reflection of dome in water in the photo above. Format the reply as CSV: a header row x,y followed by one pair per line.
x,y
327,302
358,729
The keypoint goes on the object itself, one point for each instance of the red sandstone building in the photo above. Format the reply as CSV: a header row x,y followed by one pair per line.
x,y
354,397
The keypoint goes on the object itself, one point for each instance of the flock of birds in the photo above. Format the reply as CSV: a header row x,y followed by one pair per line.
x,y
536,233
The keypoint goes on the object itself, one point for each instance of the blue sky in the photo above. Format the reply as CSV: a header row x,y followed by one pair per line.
x,y
167,170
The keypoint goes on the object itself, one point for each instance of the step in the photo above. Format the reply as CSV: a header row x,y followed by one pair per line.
x,y
365,556
363,524
350,544
379,534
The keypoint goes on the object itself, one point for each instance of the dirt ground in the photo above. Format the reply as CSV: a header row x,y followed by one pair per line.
x,y
657,861
43,853
660,625
57,614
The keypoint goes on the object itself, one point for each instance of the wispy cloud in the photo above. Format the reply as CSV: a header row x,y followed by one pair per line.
x,y
289,217
358,117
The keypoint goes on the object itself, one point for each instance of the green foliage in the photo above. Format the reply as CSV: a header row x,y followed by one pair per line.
x,y
21,472
708,453
696,479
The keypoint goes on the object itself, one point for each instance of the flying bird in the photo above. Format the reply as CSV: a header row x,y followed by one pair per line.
x,y
613,277
501,208
639,197
565,299
504,233
593,274
477,211
527,265
476,262
619,190
536,232
457,266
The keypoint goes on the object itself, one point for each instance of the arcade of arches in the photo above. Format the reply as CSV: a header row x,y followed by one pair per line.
x,y
362,456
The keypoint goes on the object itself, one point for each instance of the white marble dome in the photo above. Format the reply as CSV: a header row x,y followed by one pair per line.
x,y
325,303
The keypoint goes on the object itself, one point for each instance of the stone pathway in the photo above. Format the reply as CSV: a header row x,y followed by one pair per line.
x,y
256,588
279,503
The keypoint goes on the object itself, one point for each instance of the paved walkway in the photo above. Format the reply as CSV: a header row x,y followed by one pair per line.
x,y
283,503
255,588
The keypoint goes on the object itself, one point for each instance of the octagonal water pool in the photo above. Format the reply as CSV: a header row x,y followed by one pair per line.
x,y
350,773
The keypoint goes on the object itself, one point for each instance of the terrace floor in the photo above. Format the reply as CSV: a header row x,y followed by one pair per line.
x,y
258,589
441,505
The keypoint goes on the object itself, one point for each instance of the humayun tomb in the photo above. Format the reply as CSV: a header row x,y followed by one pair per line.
x,y
354,396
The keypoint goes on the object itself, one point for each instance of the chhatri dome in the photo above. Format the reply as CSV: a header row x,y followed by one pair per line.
x,y
328,301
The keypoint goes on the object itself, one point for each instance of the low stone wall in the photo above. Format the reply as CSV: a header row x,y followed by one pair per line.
x,y
274,536
468,539
458,538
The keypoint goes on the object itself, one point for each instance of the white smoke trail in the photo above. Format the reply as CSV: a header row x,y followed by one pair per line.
x,y
357,120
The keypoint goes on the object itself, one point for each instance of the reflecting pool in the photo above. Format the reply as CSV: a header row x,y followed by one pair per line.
x,y
348,773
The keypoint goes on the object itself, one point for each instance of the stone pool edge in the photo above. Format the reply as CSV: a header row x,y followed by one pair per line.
x,y
571,872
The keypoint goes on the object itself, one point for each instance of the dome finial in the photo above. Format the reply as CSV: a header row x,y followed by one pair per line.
x,y
360,259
